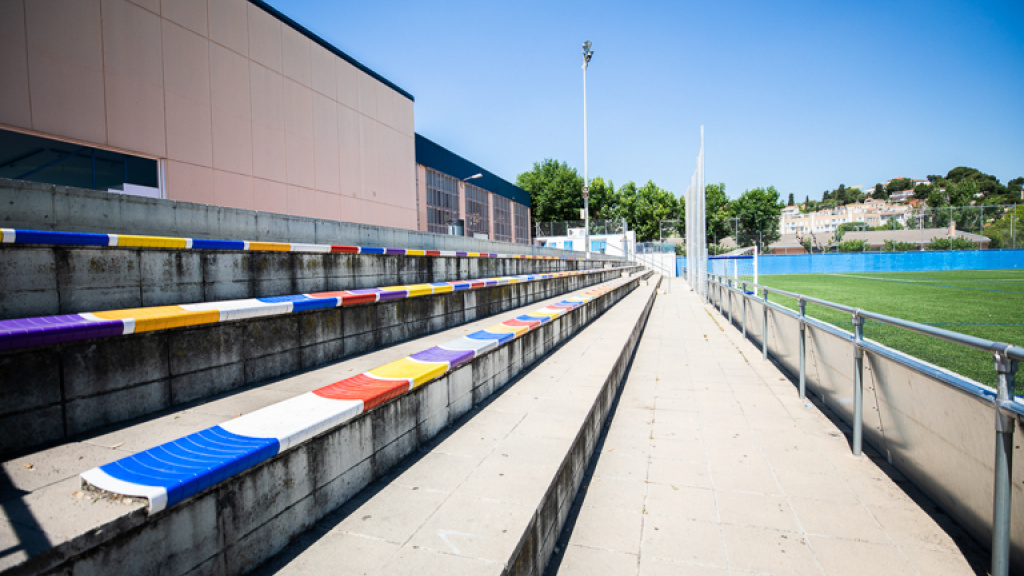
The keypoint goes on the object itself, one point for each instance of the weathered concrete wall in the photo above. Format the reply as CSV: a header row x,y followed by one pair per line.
x,y
50,280
51,393
47,207
243,521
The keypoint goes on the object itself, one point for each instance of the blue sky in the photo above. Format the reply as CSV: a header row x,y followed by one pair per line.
x,y
799,95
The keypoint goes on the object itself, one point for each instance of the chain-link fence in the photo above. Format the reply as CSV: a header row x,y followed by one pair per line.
x,y
655,247
562,228
672,230
890,228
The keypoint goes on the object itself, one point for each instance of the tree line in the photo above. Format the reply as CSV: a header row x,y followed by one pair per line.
x,y
556,195
965,191
961,186
555,191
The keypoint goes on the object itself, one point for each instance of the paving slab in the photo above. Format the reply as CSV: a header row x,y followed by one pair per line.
x,y
711,464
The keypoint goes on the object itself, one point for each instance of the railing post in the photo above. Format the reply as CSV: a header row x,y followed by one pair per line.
x,y
1007,368
744,297
764,325
803,349
858,383
729,292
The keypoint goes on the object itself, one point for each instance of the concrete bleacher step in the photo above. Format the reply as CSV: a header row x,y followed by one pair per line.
x,y
50,272
51,524
63,376
490,496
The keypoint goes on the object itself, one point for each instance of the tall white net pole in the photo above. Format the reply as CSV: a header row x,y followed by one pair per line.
x,y
691,235
696,227
688,225
702,254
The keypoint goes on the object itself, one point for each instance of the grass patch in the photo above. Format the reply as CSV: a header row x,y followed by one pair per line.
x,y
987,304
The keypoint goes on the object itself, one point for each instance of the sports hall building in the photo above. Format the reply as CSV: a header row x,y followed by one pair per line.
x,y
230,103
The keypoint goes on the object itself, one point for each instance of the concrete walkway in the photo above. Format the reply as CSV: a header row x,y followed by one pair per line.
x,y
713,465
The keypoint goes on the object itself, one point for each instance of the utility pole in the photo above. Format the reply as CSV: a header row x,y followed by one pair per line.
x,y
587,54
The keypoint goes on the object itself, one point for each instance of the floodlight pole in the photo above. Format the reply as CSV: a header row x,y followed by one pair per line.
x,y
587,54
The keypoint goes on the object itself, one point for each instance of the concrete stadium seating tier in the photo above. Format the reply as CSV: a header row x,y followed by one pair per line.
x,y
244,515
37,206
60,272
50,392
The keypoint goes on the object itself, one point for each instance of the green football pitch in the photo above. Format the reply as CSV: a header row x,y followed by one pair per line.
x,y
987,304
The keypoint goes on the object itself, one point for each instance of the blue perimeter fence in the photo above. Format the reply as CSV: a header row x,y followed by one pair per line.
x,y
915,261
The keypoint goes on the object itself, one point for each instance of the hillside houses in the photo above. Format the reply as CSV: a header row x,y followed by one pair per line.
x,y
871,212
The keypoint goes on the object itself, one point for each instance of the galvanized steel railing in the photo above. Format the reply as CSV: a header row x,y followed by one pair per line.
x,y
1006,356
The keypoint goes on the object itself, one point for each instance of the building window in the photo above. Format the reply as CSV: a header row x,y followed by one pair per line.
x,y
522,217
502,219
37,159
478,211
442,201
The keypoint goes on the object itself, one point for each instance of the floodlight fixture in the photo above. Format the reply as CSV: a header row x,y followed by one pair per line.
x,y
587,54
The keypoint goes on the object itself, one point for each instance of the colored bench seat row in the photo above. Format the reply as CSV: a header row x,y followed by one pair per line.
x,y
176,470
18,236
48,330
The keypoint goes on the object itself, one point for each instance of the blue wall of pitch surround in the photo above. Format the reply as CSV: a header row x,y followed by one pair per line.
x,y
886,262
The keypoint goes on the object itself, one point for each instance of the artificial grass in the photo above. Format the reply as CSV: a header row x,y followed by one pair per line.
x,y
987,304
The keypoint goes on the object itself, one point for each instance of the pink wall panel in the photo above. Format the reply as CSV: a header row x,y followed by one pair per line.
x,y
243,110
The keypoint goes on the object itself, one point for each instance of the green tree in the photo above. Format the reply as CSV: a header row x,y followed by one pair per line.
x,y
957,243
853,246
717,212
603,199
848,227
759,211
680,226
555,191
879,193
898,185
986,183
791,202
922,190
842,195
961,173
891,246
1005,231
938,198
961,194
1015,186
644,208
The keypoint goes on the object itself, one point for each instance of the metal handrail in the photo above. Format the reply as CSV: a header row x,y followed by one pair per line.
x,y
1010,350
1005,357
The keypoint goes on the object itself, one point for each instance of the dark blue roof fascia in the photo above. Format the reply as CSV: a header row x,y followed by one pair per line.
x,y
432,155
324,43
